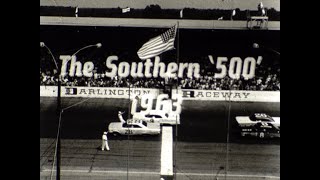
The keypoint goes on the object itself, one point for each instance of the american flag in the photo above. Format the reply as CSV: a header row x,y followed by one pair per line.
x,y
158,45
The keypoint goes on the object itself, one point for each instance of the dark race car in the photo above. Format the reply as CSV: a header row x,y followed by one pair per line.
x,y
250,121
261,130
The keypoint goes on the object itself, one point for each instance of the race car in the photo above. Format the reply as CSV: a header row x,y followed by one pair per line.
x,y
134,127
158,117
261,130
249,121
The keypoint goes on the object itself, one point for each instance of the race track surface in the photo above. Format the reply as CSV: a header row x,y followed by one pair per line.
x,y
201,121
139,159
200,149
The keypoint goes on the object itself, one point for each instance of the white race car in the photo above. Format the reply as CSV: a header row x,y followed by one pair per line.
x,y
250,121
134,127
158,117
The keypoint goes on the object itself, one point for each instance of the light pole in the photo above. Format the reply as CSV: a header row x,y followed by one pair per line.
x,y
98,45
272,52
257,46
58,143
228,135
57,154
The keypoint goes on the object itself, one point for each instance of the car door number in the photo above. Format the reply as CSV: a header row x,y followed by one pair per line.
x,y
128,131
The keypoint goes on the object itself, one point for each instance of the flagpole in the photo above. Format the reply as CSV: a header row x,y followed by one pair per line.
x,y
176,134
128,149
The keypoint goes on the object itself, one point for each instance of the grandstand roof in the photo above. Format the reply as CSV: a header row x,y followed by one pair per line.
x,y
165,4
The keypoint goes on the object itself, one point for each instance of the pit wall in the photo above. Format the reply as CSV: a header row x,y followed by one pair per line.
x,y
187,94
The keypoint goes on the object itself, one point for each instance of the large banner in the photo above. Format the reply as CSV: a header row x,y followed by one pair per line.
x,y
196,59
95,92
235,67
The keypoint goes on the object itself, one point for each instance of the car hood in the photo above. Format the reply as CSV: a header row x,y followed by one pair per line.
x,y
114,125
243,119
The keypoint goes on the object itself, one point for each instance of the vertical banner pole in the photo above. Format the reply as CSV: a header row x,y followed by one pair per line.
x,y
129,112
176,134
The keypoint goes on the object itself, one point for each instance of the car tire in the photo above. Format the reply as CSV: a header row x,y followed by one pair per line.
x,y
116,134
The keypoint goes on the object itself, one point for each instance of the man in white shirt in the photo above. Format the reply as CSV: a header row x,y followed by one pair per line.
x,y
105,142
120,117
134,105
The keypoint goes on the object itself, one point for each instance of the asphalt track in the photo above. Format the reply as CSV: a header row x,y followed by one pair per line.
x,y
200,150
201,121
82,159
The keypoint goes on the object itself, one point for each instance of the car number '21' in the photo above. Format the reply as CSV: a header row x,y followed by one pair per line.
x,y
128,131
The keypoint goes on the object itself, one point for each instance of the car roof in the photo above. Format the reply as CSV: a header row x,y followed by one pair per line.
x,y
258,116
134,122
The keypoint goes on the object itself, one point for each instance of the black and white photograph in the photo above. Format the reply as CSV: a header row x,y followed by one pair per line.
x,y
160,89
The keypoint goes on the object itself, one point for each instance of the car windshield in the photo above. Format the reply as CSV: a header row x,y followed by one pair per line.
x,y
266,119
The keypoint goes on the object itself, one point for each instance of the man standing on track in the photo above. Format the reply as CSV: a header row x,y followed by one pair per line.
x,y
134,104
105,142
120,117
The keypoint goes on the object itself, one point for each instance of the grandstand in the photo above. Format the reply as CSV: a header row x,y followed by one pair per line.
x,y
218,11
